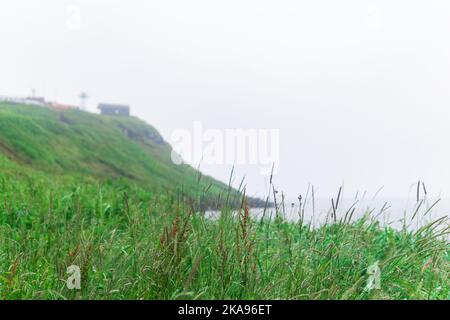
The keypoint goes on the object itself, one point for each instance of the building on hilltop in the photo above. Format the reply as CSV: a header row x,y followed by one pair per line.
x,y
38,101
34,101
114,109
61,107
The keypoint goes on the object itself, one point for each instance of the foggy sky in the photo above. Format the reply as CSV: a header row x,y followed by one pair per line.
x,y
358,89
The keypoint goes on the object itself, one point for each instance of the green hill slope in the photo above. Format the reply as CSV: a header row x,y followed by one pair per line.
x,y
75,143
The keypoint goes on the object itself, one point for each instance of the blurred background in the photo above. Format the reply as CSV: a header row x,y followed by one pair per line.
x,y
359,90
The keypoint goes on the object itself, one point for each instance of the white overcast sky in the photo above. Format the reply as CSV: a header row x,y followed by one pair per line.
x,y
358,89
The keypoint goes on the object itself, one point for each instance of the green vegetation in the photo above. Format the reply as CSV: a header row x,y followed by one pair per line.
x,y
133,240
75,143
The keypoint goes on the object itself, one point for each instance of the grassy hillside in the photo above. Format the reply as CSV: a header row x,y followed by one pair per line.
x,y
96,192
75,143
137,245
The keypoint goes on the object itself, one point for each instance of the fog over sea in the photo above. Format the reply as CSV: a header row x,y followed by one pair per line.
x,y
394,212
358,90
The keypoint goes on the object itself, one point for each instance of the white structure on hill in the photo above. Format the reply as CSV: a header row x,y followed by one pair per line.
x,y
36,101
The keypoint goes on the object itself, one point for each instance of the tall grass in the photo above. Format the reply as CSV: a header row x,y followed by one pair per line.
x,y
132,244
